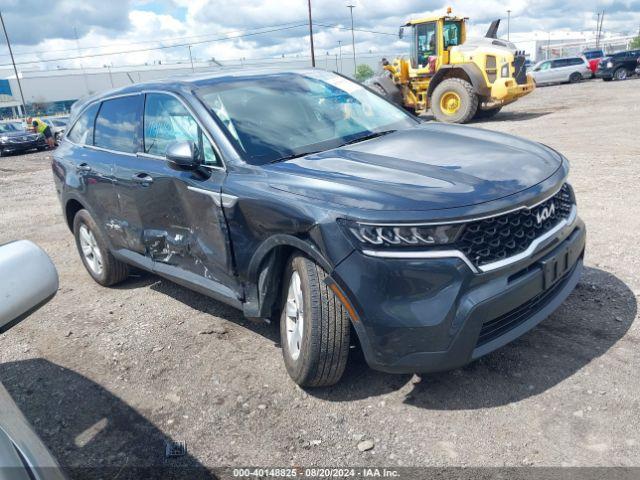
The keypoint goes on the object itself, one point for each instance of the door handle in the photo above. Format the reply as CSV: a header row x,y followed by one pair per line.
x,y
83,167
143,179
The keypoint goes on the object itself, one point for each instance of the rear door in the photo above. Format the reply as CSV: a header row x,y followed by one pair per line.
x,y
116,139
90,170
179,222
559,70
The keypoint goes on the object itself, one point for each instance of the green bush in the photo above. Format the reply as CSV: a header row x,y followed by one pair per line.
x,y
363,72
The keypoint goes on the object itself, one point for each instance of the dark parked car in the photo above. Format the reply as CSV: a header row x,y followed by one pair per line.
x,y
13,139
302,196
618,66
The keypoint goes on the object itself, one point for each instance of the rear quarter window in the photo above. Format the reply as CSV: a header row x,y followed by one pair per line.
x,y
118,122
82,131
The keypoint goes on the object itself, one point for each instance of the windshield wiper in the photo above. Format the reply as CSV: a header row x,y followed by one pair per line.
x,y
293,155
368,137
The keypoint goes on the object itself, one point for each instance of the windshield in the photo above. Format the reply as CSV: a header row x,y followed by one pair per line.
x,y
7,127
59,122
276,116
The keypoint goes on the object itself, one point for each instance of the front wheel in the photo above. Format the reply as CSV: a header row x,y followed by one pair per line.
x,y
575,77
314,326
95,254
454,101
620,74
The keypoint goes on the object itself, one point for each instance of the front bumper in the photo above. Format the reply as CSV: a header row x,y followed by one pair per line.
x,y
22,146
604,73
507,90
427,315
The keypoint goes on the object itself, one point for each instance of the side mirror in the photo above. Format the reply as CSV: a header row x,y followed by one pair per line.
x,y
183,155
28,280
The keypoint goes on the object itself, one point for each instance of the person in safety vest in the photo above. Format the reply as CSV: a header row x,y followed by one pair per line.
x,y
40,127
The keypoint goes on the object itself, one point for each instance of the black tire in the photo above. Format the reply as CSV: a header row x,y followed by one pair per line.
x,y
485,114
324,346
113,271
607,79
575,77
468,104
620,74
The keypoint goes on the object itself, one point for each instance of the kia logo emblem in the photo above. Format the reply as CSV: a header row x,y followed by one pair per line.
x,y
545,213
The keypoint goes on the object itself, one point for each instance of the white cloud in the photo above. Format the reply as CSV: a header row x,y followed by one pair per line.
x,y
131,25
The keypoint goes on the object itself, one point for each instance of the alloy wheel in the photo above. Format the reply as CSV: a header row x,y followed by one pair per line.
x,y
90,250
294,316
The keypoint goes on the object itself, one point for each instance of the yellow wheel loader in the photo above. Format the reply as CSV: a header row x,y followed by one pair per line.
x,y
458,79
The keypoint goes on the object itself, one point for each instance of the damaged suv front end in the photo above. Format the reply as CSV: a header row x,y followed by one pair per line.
x,y
303,196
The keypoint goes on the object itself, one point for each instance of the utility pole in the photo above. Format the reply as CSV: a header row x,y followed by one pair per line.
x,y
84,74
353,40
508,24
340,54
313,55
598,30
191,58
6,35
601,23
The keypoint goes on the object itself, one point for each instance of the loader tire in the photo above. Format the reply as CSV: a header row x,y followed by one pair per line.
x,y
485,114
454,100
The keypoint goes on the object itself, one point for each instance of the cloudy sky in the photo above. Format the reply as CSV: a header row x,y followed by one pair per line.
x,y
227,29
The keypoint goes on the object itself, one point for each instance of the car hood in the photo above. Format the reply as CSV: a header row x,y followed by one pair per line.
x,y
16,134
431,166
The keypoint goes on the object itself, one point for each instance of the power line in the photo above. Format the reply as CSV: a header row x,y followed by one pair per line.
x,y
162,47
141,42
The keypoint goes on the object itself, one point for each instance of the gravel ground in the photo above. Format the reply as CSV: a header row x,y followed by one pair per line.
x,y
106,376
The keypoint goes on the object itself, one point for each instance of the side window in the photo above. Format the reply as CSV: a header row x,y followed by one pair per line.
x,y
577,61
117,124
166,120
545,66
559,63
82,131
426,33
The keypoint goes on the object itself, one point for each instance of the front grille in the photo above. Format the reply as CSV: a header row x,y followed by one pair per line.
x,y
497,327
520,69
496,238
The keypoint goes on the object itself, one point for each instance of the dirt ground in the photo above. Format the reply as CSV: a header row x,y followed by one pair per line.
x,y
108,375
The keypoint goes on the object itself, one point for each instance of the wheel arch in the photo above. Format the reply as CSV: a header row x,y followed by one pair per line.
x,y
466,71
71,207
264,274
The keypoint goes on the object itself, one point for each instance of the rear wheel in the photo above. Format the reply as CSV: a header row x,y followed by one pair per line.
x,y
95,254
575,77
484,114
454,101
620,74
314,326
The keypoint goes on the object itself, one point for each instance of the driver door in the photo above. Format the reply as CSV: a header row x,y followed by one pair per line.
x,y
176,219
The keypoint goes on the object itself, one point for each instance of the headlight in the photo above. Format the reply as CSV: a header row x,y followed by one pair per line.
x,y
609,64
504,73
4,139
391,236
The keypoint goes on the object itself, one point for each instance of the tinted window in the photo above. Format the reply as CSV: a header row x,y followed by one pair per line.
x,y
559,63
117,123
594,54
82,131
166,120
576,61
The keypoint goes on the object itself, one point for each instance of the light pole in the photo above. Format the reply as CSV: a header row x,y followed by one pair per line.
x,y
340,54
508,24
313,55
353,40
191,58
6,35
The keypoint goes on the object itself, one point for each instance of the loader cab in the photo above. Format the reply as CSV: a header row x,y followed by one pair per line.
x,y
431,40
